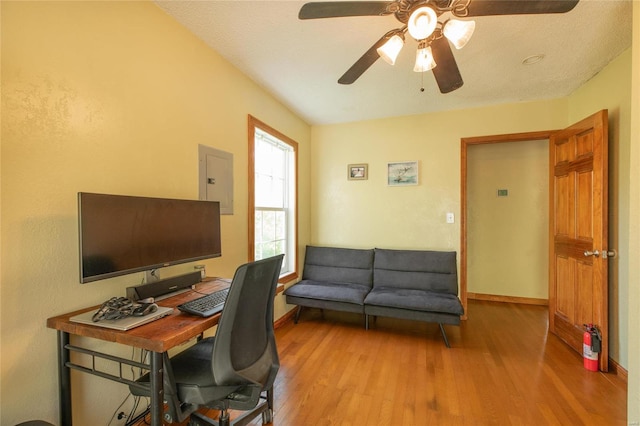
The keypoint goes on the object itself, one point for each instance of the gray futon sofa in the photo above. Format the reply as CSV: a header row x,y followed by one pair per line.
x,y
410,284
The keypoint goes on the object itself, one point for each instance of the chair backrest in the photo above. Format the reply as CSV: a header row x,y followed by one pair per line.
x,y
245,348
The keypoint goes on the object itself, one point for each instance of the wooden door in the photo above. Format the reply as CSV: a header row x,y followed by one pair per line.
x,y
578,288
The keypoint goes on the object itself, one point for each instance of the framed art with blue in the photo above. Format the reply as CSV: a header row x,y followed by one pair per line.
x,y
402,173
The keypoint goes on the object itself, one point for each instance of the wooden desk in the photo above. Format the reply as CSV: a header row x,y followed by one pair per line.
x,y
157,337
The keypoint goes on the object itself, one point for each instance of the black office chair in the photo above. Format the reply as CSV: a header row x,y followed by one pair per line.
x,y
234,368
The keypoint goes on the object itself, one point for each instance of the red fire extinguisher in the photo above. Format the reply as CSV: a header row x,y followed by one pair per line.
x,y
591,342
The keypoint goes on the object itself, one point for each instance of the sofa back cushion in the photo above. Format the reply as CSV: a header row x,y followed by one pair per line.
x,y
435,271
339,265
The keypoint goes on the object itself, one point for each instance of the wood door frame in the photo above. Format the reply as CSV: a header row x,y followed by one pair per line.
x,y
464,145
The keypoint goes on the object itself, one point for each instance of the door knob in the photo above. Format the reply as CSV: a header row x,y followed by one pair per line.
x,y
595,253
609,253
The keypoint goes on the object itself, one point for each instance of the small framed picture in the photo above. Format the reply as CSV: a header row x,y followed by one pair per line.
x,y
402,173
357,171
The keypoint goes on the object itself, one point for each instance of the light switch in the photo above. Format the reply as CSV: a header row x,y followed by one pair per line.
x,y
450,218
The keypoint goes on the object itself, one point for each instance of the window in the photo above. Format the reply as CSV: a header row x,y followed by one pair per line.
x,y
273,213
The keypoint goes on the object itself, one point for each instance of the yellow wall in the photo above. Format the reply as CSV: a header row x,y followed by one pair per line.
x,y
611,90
507,237
107,97
633,270
370,213
115,97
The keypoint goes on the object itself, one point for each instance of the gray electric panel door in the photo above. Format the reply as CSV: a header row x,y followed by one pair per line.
x,y
216,177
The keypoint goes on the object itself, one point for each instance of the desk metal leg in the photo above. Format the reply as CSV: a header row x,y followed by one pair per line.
x,y
64,380
157,389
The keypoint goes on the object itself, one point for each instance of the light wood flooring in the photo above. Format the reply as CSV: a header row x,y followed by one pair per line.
x,y
502,369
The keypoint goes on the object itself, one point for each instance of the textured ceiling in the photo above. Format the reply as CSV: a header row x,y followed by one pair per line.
x,y
299,62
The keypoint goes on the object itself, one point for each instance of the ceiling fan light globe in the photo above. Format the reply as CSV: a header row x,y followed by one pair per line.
x,y
422,22
390,50
424,60
458,32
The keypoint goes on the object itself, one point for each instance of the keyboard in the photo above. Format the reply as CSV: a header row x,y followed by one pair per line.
x,y
206,306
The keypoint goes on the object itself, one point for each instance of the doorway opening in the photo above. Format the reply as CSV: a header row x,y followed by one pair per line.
x,y
466,144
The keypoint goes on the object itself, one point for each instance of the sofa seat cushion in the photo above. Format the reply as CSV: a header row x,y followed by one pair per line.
x,y
337,292
417,300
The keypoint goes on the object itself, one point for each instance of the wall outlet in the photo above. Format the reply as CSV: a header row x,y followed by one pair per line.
x,y
450,218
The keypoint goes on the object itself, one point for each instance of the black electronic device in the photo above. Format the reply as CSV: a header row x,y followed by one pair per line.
x,y
206,305
122,307
165,286
121,234
114,308
144,309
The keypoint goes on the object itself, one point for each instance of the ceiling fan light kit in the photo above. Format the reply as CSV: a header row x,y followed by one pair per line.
x,y
421,19
422,22
424,59
390,50
458,32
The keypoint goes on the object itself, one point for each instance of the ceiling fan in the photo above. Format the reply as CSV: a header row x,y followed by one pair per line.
x,y
432,24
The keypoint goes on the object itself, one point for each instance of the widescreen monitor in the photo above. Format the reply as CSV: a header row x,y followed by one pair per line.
x,y
122,234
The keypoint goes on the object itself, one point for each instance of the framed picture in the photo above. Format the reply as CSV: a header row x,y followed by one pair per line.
x,y
357,171
402,173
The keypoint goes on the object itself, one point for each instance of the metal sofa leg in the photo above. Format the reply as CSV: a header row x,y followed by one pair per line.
x,y
297,316
366,322
444,335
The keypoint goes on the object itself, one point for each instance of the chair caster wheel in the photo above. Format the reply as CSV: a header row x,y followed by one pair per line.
x,y
267,416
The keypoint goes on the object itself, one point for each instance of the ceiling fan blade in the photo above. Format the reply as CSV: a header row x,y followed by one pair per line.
x,y
363,64
519,7
446,71
315,10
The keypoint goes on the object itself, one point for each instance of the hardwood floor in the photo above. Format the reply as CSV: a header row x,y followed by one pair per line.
x,y
502,369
